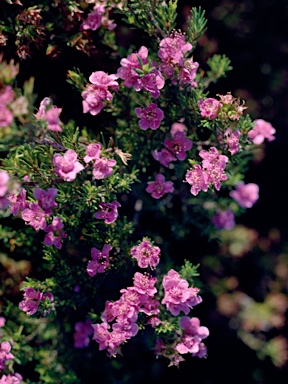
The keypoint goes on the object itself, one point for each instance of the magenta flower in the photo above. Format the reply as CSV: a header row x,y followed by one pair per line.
x,y
209,108
144,283
198,179
104,81
146,255
164,157
245,195
93,152
191,340
232,139
188,73
177,127
100,260
31,301
262,130
17,202
14,378
224,220
46,199
179,145
150,117
54,233
108,212
42,108
4,180
159,187
6,95
178,296
34,216
67,165
5,354
94,18
103,168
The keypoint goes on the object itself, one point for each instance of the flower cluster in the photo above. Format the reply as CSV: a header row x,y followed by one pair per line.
x,y
228,107
102,167
50,115
98,91
124,314
211,172
4,180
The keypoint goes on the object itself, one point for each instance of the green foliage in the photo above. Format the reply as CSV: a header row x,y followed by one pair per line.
x,y
196,25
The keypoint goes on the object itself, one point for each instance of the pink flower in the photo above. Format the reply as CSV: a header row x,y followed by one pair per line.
x,y
178,296
2,321
82,333
146,255
144,283
34,216
31,301
232,139
6,95
179,145
198,179
159,187
178,127
188,73
103,168
94,18
164,157
52,118
100,260
14,378
262,130
46,199
93,152
6,116
42,108
224,220
171,52
192,337
54,233
108,212
98,91
18,203
209,108
5,354
245,195
4,180
67,165
150,117
151,82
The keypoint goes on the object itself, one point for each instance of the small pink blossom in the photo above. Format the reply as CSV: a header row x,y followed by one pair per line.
x,y
34,216
164,157
128,65
209,108
5,354
31,301
4,180
2,321
46,199
100,260
262,130
179,145
6,95
224,220
146,254
159,187
198,179
94,18
188,73
192,337
103,168
150,117
108,212
42,108
144,283
14,378
178,127
52,118
245,195
54,234
104,81
67,165
232,139
17,202
6,116
93,152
